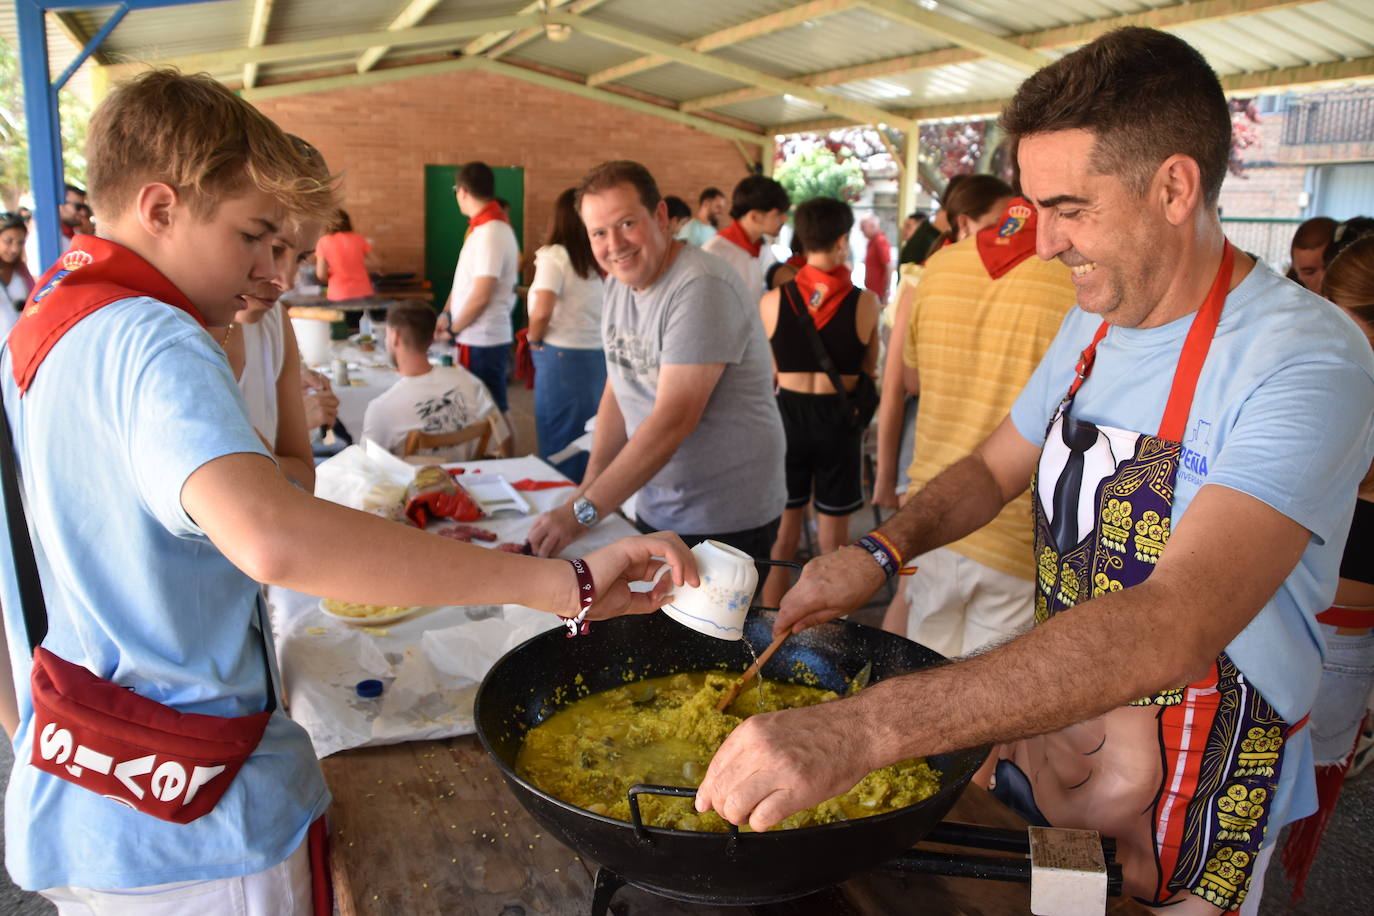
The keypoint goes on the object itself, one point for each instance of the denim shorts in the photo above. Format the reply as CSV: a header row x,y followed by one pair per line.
x,y
1343,695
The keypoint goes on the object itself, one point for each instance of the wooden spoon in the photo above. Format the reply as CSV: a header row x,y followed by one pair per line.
x,y
749,674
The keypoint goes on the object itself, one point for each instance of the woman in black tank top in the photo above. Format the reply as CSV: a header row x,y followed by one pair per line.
x,y
824,450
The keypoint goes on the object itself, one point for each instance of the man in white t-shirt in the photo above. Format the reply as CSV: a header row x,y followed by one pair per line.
x,y
483,294
758,209
432,399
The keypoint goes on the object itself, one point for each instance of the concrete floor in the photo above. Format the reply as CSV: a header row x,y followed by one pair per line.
x,y
1341,882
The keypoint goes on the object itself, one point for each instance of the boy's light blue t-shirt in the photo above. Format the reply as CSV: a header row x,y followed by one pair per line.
x,y
124,409
1282,413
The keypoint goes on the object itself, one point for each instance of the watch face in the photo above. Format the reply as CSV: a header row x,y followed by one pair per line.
x,y
584,512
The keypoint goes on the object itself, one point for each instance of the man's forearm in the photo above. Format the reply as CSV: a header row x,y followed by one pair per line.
x,y
468,313
1083,662
958,501
641,457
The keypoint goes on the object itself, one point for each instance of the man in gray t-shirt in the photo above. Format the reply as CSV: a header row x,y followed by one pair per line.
x,y
688,417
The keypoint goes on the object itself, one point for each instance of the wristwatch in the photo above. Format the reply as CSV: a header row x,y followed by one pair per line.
x,y
585,512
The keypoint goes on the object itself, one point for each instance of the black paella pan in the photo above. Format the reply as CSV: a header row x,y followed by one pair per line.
x,y
527,684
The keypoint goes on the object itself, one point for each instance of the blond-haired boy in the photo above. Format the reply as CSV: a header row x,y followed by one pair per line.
x,y
156,509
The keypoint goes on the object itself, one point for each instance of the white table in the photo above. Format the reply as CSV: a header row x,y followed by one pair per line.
x,y
369,374
431,663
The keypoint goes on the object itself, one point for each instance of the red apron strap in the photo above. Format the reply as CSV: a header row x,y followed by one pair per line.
x,y
1085,362
1195,347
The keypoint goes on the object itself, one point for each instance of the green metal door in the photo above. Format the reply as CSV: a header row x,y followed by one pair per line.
x,y
445,224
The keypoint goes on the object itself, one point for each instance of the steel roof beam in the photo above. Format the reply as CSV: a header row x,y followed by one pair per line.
x,y
414,12
856,111
538,77
1165,17
784,19
549,81
1361,68
960,33
226,61
496,44
257,34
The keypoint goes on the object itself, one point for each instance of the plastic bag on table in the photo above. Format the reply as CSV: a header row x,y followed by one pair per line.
x,y
360,478
433,493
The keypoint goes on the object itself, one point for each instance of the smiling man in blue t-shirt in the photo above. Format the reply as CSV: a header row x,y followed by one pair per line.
x,y
1193,440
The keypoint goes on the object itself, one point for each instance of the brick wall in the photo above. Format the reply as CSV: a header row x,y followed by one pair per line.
x,y
1264,191
382,137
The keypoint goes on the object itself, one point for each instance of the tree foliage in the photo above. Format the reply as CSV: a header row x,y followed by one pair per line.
x,y
14,138
818,172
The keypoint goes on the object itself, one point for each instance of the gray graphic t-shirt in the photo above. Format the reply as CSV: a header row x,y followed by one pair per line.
x,y
728,474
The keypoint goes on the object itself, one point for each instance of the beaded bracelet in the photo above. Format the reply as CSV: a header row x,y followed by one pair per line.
x,y
883,551
586,589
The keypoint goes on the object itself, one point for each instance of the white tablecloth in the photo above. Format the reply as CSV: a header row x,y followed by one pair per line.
x,y
369,373
430,664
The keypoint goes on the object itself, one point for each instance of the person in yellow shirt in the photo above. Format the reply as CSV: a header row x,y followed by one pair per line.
x,y
983,315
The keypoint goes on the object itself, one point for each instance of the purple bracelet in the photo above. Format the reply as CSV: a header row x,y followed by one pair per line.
x,y
586,594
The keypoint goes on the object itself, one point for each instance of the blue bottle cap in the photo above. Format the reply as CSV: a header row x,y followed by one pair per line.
x,y
369,689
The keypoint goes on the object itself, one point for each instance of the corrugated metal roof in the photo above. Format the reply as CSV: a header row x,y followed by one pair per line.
x,y
1290,34
679,82
680,22
841,40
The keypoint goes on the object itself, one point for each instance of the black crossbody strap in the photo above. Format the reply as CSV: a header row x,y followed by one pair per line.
x,y
26,565
793,294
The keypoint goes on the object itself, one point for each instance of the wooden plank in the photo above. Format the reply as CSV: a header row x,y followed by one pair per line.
x,y
496,44
415,11
431,828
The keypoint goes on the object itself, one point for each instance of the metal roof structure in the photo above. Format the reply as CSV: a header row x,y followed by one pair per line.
x,y
761,66
745,70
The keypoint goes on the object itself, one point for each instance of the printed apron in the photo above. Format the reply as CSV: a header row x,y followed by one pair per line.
x,y
1181,779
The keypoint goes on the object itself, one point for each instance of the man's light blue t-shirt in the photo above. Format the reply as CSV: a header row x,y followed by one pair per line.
x,y
1282,413
124,409
696,232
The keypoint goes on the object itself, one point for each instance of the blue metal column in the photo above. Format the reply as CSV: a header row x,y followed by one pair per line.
x,y
45,137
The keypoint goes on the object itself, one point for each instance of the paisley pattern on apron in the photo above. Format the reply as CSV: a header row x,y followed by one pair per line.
x,y
1205,757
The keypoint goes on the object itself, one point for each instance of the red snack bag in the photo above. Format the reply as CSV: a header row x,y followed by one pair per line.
x,y
434,493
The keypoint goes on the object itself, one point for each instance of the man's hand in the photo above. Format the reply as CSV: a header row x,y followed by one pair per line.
x,y
831,586
780,763
636,559
555,530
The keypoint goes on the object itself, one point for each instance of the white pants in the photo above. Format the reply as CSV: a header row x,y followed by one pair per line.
x,y
957,606
282,890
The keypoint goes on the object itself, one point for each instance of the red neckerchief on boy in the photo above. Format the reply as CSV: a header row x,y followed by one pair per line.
x,y
93,273
823,291
490,211
1010,240
797,260
735,233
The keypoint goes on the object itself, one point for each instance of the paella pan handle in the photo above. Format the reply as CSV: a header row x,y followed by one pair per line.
x,y
677,792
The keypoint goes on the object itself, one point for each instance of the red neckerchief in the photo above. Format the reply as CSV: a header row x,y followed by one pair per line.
x,y
93,273
1010,241
735,233
67,231
823,291
490,212
797,261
